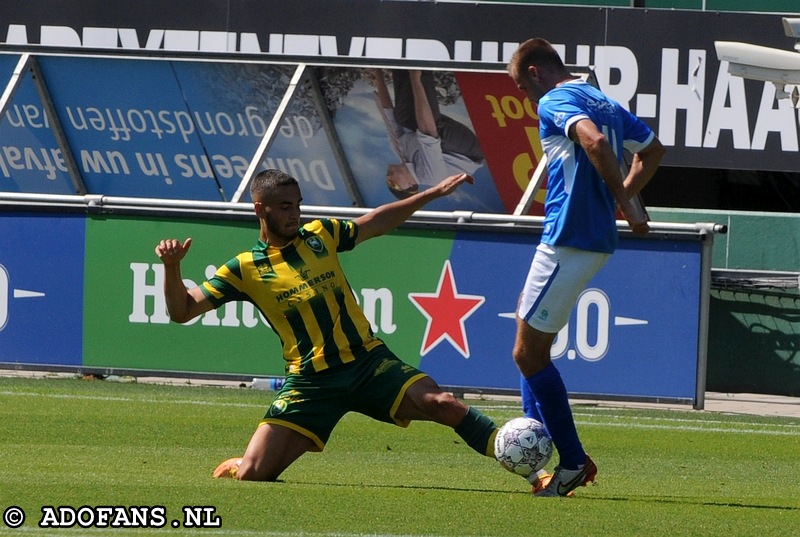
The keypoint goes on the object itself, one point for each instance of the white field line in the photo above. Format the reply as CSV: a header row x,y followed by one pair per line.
x,y
731,428
586,419
97,532
688,420
675,424
133,400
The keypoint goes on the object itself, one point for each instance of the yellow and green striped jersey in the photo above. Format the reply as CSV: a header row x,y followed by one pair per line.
x,y
303,293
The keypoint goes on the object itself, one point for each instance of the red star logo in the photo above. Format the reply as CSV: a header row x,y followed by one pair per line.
x,y
446,311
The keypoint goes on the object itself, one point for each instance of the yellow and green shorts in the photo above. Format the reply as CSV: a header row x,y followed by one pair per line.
x,y
312,404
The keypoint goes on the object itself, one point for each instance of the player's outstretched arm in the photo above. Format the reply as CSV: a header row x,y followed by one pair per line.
x,y
183,304
387,217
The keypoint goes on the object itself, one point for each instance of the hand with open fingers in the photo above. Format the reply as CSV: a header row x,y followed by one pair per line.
x,y
449,184
172,251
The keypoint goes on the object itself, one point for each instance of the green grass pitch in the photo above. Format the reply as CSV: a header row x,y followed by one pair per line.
x,y
69,442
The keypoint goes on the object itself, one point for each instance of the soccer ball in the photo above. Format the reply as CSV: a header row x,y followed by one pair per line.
x,y
522,446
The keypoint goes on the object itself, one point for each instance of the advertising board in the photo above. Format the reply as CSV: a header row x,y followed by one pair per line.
x,y
443,300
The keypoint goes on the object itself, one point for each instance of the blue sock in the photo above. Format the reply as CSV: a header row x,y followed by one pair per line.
x,y
547,388
530,408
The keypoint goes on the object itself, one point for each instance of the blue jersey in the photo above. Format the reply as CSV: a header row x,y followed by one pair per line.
x,y
579,208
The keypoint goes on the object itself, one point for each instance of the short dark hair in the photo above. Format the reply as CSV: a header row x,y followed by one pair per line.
x,y
266,181
534,51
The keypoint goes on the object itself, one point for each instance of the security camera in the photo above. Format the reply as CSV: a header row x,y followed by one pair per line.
x,y
791,27
759,63
755,62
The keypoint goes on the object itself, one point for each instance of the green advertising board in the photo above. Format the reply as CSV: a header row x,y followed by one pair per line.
x,y
126,324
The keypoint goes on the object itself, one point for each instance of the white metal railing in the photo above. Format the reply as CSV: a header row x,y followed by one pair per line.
x,y
100,203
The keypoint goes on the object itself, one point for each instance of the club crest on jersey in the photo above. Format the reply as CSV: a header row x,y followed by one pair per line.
x,y
278,407
315,243
559,119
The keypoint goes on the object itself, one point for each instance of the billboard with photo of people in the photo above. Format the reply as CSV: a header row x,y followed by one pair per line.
x,y
189,130
392,152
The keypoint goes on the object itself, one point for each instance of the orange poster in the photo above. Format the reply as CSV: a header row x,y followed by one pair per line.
x,y
507,127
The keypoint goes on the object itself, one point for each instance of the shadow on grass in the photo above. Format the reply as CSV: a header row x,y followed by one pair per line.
x,y
689,501
396,487
675,500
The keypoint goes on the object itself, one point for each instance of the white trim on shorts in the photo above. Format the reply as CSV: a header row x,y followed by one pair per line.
x,y
557,277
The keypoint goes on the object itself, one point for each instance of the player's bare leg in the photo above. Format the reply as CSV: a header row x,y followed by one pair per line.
x,y
531,348
271,450
425,400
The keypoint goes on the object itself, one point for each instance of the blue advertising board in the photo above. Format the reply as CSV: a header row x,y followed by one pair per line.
x,y
233,104
30,159
7,63
41,288
633,332
177,130
126,131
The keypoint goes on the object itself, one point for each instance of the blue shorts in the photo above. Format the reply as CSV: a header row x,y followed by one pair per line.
x,y
557,277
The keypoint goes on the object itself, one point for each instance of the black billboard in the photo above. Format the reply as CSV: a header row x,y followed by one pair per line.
x,y
662,64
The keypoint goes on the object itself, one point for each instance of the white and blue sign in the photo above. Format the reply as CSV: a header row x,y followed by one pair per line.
x,y
30,159
633,332
41,289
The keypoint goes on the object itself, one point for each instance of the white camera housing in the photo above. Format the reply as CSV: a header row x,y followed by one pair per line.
x,y
781,67
760,63
791,27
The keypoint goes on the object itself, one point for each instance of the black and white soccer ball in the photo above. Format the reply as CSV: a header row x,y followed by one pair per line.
x,y
522,446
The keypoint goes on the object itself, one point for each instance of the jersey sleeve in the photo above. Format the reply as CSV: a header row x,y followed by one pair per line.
x,y
348,232
342,232
638,134
226,284
559,112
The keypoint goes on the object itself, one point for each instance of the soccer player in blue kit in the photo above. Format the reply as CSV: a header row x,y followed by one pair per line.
x,y
584,135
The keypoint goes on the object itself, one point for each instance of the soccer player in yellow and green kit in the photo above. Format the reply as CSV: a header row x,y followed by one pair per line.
x,y
334,363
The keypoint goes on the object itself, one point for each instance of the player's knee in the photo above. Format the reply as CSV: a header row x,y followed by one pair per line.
x,y
249,471
524,361
519,356
530,363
